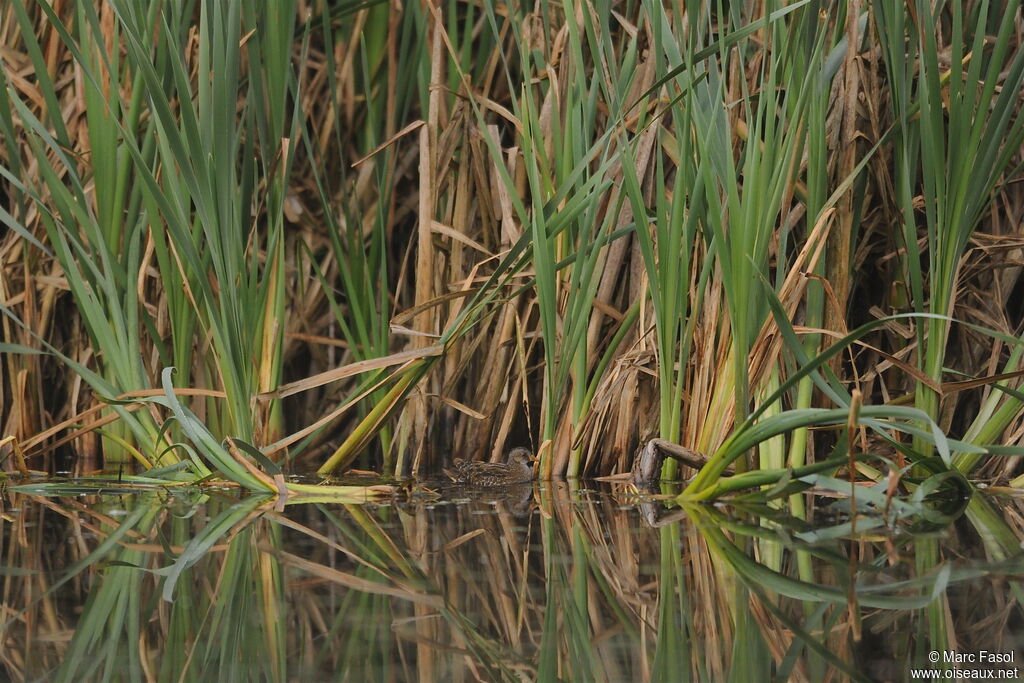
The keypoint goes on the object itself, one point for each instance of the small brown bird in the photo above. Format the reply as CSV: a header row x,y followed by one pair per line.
x,y
518,469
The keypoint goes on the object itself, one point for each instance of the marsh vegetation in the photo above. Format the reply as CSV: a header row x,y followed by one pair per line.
x,y
247,242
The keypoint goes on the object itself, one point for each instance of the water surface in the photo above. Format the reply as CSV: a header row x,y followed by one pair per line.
x,y
555,582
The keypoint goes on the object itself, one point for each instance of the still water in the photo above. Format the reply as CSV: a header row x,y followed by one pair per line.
x,y
550,582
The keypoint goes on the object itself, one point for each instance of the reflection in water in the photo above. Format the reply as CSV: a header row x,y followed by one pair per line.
x,y
517,583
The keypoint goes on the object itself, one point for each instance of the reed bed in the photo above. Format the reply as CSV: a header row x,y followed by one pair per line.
x,y
244,240
781,234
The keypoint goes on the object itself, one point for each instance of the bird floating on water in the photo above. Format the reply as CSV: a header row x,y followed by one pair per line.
x,y
517,469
